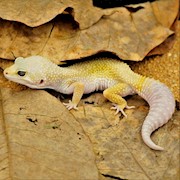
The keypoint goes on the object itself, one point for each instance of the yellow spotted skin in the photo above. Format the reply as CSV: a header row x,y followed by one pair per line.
x,y
113,77
140,83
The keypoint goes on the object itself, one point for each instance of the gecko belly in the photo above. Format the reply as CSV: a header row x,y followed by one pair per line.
x,y
98,84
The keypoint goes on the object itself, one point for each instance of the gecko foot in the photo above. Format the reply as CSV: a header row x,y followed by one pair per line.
x,y
70,105
118,109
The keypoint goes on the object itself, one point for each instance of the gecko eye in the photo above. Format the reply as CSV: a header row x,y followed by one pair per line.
x,y
21,73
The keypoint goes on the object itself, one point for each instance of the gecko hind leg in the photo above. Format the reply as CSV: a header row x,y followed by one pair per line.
x,y
114,94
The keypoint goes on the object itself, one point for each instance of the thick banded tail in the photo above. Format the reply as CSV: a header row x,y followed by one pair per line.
x,y
162,106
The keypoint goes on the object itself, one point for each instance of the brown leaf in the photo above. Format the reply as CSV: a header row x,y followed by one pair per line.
x,y
120,151
168,43
160,10
119,31
35,13
167,12
40,139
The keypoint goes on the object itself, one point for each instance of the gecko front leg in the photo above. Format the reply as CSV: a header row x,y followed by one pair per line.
x,y
114,94
77,95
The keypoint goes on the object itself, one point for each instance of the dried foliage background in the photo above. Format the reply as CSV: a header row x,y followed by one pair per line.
x,y
40,138
129,32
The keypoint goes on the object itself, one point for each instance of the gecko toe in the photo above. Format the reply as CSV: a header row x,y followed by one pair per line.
x,y
70,105
124,114
130,107
118,109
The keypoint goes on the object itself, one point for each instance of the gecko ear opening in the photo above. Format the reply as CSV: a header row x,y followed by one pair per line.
x,y
41,81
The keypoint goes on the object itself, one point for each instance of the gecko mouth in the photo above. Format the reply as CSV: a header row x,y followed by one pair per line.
x,y
26,82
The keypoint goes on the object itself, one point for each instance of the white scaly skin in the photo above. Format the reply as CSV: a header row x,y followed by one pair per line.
x,y
114,77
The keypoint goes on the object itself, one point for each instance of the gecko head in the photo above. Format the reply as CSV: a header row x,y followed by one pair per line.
x,y
31,71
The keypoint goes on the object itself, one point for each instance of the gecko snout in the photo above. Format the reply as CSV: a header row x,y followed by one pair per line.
x,y
5,72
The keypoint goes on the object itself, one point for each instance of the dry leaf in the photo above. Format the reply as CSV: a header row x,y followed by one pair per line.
x,y
40,139
161,10
167,12
35,13
120,151
119,31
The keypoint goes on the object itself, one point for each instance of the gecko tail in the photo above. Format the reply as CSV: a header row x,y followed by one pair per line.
x,y
147,140
162,106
